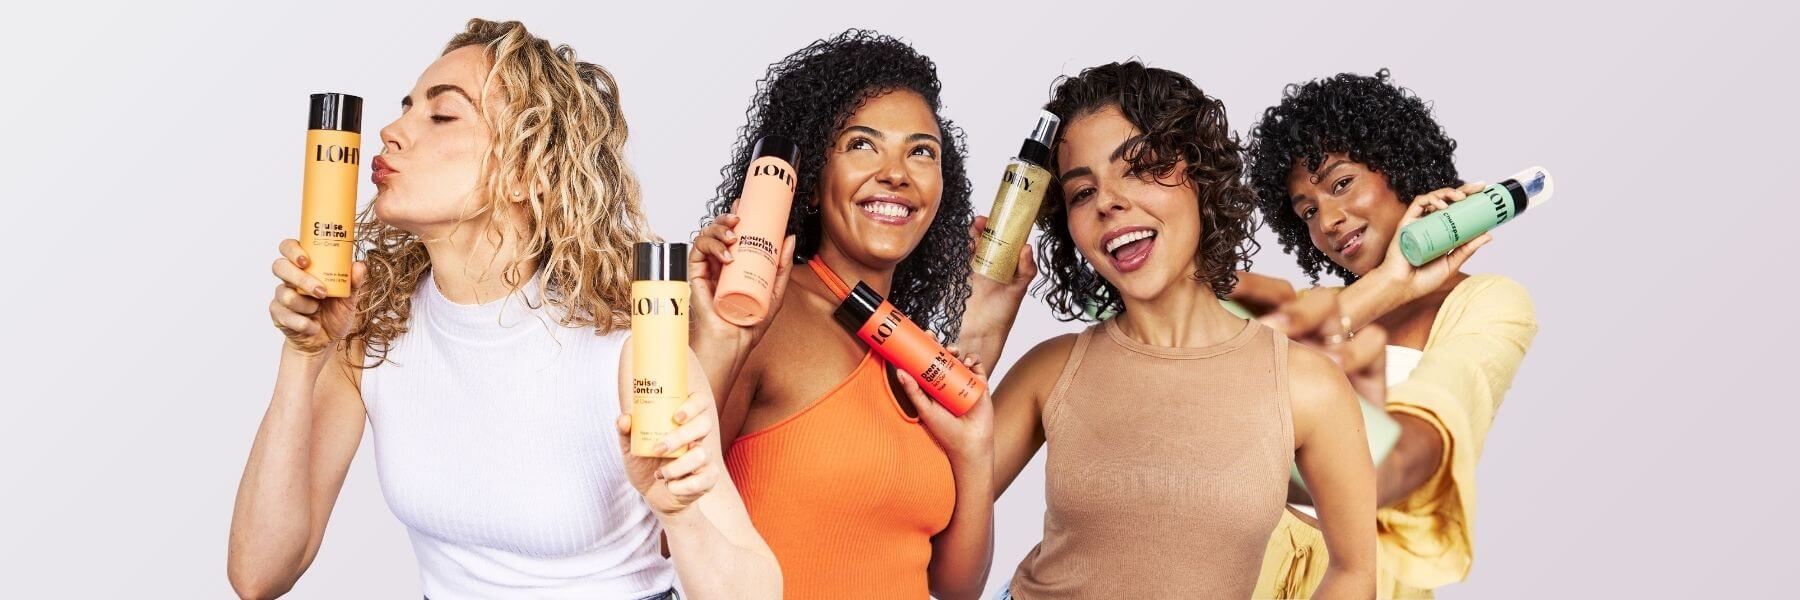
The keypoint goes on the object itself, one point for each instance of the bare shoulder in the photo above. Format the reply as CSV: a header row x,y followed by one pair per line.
x,y
1039,368
1317,388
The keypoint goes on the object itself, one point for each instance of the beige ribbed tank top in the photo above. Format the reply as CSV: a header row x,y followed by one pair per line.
x,y
1167,468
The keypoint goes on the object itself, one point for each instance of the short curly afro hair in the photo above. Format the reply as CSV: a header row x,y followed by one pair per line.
x,y
1179,123
808,97
1378,124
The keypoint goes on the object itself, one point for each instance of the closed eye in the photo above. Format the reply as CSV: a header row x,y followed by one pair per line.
x,y
442,118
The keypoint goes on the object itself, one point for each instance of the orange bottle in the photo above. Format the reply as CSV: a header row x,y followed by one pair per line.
x,y
900,341
328,196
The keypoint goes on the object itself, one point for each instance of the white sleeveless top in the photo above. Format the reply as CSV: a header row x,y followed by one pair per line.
x,y
1401,361
495,446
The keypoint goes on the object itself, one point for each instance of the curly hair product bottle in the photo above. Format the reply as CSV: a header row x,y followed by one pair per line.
x,y
328,195
1440,232
1016,205
747,281
897,339
659,343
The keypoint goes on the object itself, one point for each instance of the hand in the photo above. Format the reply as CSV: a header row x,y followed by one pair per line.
x,y
671,485
992,305
1416,282
965,438
706,261
311,321
1315,320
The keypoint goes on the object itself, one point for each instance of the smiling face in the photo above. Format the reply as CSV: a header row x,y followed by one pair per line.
x,y
429,174
883,179
1351,212
1140,234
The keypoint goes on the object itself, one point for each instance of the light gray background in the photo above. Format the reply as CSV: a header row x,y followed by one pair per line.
x,y
151,163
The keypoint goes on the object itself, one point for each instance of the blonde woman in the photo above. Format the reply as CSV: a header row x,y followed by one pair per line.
x,y
485,344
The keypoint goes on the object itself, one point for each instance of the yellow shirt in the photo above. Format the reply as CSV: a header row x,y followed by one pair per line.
x,y
1426,540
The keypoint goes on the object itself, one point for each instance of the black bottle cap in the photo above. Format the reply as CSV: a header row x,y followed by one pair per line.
x,y
778,147
1035,153
656,261
1036,149
858,307
334,111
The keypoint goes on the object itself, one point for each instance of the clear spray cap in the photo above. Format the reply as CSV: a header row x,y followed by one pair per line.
x,y
1537,184
1045,130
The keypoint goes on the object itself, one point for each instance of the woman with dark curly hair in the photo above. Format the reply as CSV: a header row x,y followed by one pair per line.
x,y
1339,167
862,486
1172,422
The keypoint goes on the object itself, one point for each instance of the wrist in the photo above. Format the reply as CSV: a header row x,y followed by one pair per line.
x,y
678,520
972,460
1373,295
290,352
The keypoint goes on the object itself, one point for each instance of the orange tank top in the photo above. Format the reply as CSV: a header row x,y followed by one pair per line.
x,y
848,492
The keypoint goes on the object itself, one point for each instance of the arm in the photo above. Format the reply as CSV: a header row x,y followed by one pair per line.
x,y
962,555
1396,282
1261,294
1476,345
1414,459
1333,456
1019,408
308,435
297,466
963,551
993,306
723,348
716,549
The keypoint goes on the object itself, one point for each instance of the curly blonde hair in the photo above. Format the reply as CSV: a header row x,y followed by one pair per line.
x,y
560,132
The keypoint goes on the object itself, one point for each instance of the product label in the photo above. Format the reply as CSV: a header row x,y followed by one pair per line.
x,y
916,353
659,361
333,153
1440,232
655,307
1009,223
775,170
328,206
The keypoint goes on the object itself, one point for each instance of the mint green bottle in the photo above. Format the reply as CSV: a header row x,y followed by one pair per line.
x,y
1440,232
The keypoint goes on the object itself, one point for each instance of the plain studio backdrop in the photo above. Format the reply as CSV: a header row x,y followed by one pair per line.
x,y
154,153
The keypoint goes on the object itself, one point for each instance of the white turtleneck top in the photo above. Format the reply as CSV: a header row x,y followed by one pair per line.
x,y
495,446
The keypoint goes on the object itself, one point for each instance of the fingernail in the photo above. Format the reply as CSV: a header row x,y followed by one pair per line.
x,y
303,262
661,448
680,417
725,255
319,291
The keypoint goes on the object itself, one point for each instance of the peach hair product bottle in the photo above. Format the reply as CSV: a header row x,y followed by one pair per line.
x,y
747,281
328,195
